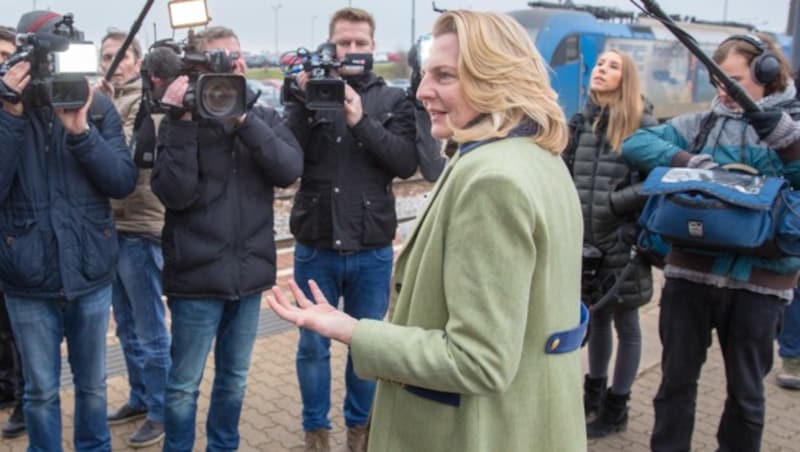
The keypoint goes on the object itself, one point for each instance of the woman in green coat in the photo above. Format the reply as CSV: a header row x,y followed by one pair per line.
x,y
468,360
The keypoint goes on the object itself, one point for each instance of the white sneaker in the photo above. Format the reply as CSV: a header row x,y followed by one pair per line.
x,y
789,376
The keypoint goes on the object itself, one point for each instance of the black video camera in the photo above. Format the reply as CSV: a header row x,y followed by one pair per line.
x,y
325,87
214,91
60,61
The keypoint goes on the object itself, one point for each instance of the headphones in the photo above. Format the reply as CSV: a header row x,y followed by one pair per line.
x,y
766,66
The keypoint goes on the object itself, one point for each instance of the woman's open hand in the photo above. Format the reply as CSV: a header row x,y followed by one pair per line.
x,y
318,316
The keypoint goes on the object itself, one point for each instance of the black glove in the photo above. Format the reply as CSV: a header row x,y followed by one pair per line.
x,y
765,122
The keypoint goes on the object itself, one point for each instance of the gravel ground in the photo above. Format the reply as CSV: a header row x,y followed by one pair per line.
x,y
410,197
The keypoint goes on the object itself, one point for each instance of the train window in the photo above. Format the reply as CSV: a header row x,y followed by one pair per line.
x,y
566,52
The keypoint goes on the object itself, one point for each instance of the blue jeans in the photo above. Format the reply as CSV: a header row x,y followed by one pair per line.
x,y
789,338
362,279
195,323
39,325
141,325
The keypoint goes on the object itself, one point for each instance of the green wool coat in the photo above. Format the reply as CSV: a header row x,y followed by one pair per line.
x,y
490,271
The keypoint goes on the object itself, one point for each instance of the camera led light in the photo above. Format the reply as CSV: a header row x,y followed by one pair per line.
x,y
79,58
188,13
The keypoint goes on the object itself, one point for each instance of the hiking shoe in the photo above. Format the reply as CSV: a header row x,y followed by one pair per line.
x,y
126,413
16,423
148,434
789,376
317,441
357,438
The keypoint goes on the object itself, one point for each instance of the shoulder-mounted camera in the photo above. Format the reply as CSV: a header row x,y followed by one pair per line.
x,y
60,61
325,87
214,90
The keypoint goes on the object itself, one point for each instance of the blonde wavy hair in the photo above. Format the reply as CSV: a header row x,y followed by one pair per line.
x,y
503,76
625,105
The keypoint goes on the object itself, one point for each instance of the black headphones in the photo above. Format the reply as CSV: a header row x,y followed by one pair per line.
x,y
766,66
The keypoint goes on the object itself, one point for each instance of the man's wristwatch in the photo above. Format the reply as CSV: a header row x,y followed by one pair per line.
x,y
82,135
9,95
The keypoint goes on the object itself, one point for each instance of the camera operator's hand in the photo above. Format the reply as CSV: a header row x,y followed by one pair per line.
x,y
175,93
302,79
16,79
105,87
702,161
353,110
76,122
774,127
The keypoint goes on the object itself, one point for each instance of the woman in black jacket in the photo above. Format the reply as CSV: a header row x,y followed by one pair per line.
x,y
615,109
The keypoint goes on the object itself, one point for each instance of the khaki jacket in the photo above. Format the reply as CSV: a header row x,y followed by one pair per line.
x,y
141,212
490,271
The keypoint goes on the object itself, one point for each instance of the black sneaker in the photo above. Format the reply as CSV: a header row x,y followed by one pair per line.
x,y
148,434
7,399
16,423
126,413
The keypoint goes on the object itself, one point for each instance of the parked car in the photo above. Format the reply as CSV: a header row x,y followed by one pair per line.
x,y
399,82
270,93
395,57
380,57
256,60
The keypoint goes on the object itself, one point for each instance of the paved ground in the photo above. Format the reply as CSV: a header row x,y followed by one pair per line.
x,y
270,418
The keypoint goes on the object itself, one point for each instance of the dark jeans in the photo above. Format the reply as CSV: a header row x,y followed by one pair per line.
x,y
362,280
629,347
197,324
746,325
11,382
40,325
141,324
789,339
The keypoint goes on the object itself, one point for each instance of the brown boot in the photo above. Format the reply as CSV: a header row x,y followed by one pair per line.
x,y
318,441
357,438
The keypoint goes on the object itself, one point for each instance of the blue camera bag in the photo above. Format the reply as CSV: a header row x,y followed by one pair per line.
x,y
719,210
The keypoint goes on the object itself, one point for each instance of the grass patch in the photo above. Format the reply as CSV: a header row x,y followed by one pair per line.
x,y
386,70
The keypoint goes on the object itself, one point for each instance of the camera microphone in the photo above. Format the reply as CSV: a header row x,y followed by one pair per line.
x,y
49,42
163,62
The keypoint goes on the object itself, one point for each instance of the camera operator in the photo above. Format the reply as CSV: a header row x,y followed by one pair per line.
x,y
8,43
344,216
57,170
429,149
11,382
139,312
216,179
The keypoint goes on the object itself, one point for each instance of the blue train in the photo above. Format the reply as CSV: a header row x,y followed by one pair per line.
x,y
570,38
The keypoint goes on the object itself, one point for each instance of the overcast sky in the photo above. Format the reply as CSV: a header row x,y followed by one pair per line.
x,y
305,22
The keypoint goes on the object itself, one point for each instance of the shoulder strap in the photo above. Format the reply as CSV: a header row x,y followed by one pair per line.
x,y
142,113
706,125
96,112
576,125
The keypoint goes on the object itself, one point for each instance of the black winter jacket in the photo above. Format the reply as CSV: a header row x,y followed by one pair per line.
x,y
597,170
345,200
217,186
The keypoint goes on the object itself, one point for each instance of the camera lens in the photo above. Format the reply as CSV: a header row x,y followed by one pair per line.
x,y
325,93
220,97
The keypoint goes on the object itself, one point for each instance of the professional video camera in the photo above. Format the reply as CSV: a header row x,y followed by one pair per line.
x,y
418,53
325,87
214,91
60,61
